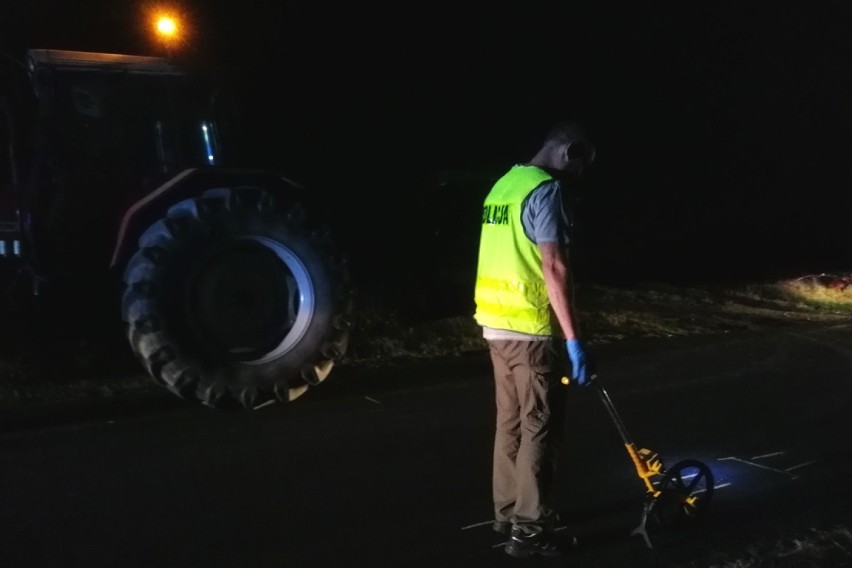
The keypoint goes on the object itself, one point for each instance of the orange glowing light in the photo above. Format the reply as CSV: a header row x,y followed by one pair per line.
x,y
167,26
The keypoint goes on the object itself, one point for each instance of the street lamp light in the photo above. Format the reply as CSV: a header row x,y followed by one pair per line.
x,y
167,27
168,30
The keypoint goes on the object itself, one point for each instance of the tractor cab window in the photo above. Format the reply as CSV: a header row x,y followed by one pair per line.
x,y
135,125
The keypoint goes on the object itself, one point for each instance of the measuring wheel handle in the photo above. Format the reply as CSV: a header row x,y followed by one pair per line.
x,y
568,381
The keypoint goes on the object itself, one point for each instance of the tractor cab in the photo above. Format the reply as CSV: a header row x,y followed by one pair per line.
x,y
99,132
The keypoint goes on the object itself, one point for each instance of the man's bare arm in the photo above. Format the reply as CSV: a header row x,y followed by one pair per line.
x,y
560,289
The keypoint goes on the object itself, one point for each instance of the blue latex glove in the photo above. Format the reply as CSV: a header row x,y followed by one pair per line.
x,y
580,364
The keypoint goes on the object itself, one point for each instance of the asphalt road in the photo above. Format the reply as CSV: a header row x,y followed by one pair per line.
x,y
392,467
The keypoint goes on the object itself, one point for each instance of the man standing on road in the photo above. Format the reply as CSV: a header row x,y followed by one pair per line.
x,y
525,305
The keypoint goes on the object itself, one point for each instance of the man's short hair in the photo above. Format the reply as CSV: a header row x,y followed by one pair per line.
x,y
565,131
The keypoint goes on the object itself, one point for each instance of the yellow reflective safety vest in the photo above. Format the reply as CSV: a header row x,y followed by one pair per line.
x,y
510,292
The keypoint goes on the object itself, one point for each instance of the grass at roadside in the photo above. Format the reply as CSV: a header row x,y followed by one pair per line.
x,y
610,314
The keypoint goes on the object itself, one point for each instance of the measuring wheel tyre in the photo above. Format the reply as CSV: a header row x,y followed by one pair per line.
x,y
234,299
686,490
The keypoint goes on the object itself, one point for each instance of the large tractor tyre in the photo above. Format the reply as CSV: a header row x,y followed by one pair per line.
x,y
235,300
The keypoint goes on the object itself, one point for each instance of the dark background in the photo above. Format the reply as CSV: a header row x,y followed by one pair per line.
x,y
722,129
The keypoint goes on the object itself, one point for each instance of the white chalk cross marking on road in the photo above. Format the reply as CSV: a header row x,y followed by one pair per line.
x,y
473,526
801,465
758,465
753,462
764,456
715,487
690,476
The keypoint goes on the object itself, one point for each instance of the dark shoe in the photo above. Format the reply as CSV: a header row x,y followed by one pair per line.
x,y
523,545
501,527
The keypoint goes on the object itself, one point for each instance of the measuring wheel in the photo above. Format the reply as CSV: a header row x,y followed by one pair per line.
x,y
685,493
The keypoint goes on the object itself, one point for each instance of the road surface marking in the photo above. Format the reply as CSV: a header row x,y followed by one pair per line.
x,y
801,465
371,399
473,526
758,465
772,455
720,486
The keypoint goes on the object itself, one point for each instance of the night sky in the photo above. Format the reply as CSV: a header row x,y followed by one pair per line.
x,y
722,130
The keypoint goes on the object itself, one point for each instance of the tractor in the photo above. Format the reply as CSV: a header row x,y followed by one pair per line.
x,y
116,194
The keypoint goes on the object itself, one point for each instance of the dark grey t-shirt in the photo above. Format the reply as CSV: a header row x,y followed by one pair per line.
x,y
543,215
545,220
